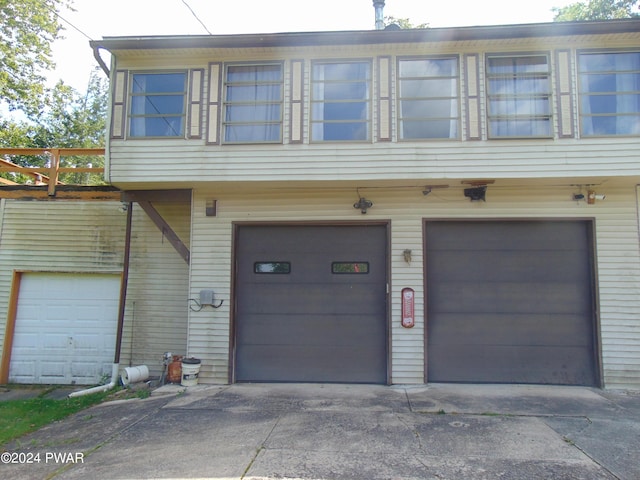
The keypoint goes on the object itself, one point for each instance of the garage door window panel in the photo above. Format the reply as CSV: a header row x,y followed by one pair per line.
x,y
272,267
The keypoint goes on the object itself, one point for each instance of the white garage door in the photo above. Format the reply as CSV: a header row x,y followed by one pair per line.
x,y
65,328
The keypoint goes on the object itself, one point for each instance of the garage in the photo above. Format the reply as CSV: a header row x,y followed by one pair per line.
x,y
65,328
511,302
311,303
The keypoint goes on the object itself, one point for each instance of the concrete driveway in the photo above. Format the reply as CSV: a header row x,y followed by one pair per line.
x,y
321,432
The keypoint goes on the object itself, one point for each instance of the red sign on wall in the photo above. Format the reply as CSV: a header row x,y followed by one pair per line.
x,y
408,308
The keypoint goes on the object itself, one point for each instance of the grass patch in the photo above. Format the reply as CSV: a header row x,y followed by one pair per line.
x,y
18,417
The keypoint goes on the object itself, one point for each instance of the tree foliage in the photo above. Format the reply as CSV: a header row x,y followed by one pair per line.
x,y
403,23
72,120
27,29
597,10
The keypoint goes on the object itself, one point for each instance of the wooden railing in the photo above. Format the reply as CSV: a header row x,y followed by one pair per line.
x,y
48,175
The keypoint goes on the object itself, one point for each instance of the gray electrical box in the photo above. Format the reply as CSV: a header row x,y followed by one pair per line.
x,y
207,297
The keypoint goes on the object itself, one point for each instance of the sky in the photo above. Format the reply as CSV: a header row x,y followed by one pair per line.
x,y
96,19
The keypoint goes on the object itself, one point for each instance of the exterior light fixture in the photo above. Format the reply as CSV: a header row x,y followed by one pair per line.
x,y
476,194
363,204
407,256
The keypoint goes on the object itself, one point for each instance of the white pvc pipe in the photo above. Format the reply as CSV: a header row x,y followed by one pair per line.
x,y
100,388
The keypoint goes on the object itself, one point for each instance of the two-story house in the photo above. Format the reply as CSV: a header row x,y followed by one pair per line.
x,y
385,206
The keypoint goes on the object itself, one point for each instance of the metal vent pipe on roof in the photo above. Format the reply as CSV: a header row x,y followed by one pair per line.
x,y
379,6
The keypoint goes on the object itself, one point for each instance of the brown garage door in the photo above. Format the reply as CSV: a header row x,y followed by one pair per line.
x,y
311,304
510,302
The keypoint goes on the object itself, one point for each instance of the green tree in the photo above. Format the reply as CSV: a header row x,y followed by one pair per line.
x,y
73,120
403,23
597,10
27,29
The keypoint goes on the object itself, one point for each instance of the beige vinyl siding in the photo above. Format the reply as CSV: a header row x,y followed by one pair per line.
x,y
141,161
67,237
187,162
618,259
156,308
89,237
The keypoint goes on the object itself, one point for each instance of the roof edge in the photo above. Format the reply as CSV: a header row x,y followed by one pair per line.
x,y
324,38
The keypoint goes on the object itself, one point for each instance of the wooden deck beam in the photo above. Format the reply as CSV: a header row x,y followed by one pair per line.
x,y
63,192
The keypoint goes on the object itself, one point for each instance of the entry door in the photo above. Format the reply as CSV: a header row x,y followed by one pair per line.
x,y
311,304
510,302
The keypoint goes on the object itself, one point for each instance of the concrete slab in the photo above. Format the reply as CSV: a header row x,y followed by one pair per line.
x,y
206,444
613,443
320,432
540,400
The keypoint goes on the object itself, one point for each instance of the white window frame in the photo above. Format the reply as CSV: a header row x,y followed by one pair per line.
x,y
166,117
629,86
454,98
318,102
523,101
230,104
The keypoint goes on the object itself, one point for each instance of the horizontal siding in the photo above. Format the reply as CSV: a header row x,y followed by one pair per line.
x,y
158,162
157,306
618,260
89,237
69,236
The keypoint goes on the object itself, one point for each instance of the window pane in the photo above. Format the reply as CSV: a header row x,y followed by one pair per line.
x,y
610,62
443,67
521,128
250,113
441,87
431,129
254,93
272,267
520,106
350,267
428,98
428,109
518,65
519,96
343,111
157,104
249,133
156,126
254,73
613,104
610,125
341,71
609,93
340,96
253,103
340,131
158,82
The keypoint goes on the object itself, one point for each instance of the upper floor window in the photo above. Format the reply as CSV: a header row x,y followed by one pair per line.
x,y
341,101
610,93
519,96
157,104
253,103
428,98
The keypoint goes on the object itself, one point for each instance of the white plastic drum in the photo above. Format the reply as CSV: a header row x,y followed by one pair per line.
x,y
134,374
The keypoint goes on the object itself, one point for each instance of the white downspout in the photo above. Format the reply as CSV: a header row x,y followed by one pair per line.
x,y
100,388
